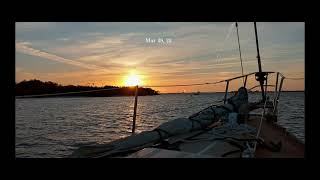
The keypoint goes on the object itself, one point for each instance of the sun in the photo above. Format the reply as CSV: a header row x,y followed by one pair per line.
x,y
132,79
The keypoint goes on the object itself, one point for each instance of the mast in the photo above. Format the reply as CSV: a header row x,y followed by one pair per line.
x,y
258,56
260,76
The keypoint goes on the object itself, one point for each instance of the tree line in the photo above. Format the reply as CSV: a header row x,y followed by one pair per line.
x,y
37,87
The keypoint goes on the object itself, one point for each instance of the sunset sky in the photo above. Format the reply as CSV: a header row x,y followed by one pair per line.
x,y
106,53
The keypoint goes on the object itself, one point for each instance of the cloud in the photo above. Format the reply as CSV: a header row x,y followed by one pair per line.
x,y
199,51
32,26
63,39
130,49
24,47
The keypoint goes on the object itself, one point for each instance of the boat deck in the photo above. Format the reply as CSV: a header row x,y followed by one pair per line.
x,y
280,144
164,153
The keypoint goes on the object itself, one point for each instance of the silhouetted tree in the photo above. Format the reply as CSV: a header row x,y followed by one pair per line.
x,y
35,87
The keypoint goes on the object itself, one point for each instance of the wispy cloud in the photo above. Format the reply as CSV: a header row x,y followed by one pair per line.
x,y
199,51
24,47
32,26
63,39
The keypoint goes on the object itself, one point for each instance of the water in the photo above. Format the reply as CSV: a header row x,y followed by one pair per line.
x,y
54,127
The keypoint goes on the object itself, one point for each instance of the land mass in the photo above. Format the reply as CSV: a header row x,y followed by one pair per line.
x,y
37,87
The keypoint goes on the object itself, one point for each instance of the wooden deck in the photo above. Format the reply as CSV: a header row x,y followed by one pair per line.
x,y
272,133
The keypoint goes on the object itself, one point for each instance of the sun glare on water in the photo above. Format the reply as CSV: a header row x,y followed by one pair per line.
x,y
132,79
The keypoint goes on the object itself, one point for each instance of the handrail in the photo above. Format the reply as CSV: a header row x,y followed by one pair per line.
x,y
259,86
239,76
177,85
199,84
277,85
276,99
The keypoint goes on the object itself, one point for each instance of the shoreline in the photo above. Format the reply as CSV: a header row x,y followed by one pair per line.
x,y
145,95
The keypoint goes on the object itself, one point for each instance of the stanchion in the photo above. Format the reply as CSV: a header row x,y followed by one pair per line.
x,y
135,110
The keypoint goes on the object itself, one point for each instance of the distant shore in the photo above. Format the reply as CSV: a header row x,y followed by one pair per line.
x,y
36,89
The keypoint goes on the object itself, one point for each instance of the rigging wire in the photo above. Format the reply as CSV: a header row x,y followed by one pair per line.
x,y
54,94
108,89
295,78
189,107
260,125
176,85
240,50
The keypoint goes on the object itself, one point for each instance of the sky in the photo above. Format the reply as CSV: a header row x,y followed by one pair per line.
x,y
105,53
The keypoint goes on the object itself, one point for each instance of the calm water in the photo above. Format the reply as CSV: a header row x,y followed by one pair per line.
x,y
54,127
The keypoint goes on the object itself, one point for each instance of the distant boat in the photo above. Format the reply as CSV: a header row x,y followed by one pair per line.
x,y
197,93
